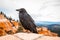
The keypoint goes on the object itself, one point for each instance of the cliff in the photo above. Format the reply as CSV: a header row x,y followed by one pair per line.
x,y
7,26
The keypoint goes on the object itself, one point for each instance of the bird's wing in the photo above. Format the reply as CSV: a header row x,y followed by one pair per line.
x,y
29,18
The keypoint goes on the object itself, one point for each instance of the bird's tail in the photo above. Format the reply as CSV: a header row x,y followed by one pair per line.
x,y
34,30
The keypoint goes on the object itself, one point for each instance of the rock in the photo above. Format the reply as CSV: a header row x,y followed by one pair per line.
x,y
28,36
9,26
2,32
9,37
46,32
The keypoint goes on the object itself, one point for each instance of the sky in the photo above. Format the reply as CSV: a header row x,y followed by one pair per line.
x,y
40,10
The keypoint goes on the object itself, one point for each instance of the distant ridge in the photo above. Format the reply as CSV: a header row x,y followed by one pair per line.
x,y
46,23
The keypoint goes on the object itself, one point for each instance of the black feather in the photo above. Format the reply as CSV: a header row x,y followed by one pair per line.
x,y
26,20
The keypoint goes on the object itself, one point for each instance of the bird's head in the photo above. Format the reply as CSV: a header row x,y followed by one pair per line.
x,y
22,10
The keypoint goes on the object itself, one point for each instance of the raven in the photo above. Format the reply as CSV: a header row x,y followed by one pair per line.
x,y
26,20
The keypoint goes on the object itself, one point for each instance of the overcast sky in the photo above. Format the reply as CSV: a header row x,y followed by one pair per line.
x,y
40,10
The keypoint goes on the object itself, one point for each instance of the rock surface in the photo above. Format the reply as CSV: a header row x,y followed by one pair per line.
x,y
46,32
7,25
28,36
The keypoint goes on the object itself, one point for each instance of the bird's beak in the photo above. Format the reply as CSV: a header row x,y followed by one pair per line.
x,y
17,10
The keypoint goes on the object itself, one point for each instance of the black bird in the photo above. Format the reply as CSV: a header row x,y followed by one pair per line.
x,y
26,20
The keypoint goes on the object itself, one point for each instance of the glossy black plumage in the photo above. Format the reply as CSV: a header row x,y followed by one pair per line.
x,y
26,20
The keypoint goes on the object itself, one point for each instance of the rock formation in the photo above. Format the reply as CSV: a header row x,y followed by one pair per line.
x,y
46,32
7,26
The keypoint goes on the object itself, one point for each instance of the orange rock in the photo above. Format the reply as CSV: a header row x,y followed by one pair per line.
x,y
7,25
46,32
2,32
16,24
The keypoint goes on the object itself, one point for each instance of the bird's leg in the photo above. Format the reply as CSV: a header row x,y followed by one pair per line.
x,y
26,31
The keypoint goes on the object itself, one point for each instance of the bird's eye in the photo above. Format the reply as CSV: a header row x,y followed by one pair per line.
x,y
21,11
